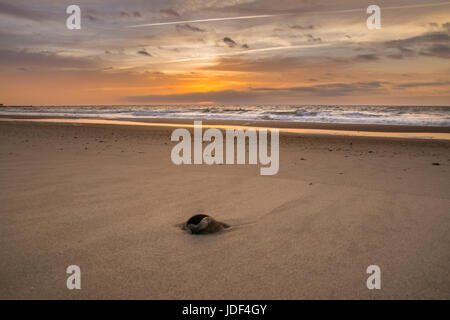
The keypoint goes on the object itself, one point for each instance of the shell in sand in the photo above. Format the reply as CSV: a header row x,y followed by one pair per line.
x,y
203,224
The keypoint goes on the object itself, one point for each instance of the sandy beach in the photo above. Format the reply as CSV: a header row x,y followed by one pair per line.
x,y
108,199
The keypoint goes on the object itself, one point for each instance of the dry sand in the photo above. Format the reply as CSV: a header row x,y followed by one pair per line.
x,y
108,199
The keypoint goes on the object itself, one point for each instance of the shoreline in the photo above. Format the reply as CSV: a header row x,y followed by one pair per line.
x,y
303,128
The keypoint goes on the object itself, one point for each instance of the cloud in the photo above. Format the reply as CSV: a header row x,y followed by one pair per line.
x,y
232,44
426,38
244,7
19,12
421,84
43,60
92,18
226,96
333,89
427,44
188,27
366,57
307,64
311,38
229,42
438,50
403,53
144,53
298,27
265,94
169,12
12,40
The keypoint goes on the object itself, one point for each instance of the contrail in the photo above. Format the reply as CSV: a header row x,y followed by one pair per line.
x,y
249,51
203,20
290,14
407,6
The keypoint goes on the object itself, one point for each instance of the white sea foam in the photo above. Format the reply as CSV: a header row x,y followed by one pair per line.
x,y
404,115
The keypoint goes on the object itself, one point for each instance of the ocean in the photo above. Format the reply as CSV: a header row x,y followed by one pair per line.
x,y
392,115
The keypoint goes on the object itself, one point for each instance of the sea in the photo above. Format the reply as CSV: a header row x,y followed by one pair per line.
x,y
351,114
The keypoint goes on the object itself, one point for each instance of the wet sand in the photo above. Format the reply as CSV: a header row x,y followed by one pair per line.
x,y
108,198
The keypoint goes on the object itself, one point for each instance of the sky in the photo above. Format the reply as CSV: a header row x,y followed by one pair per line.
x,y
158,52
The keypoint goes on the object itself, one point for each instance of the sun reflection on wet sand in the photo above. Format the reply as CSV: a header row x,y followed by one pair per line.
x,y
411,135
